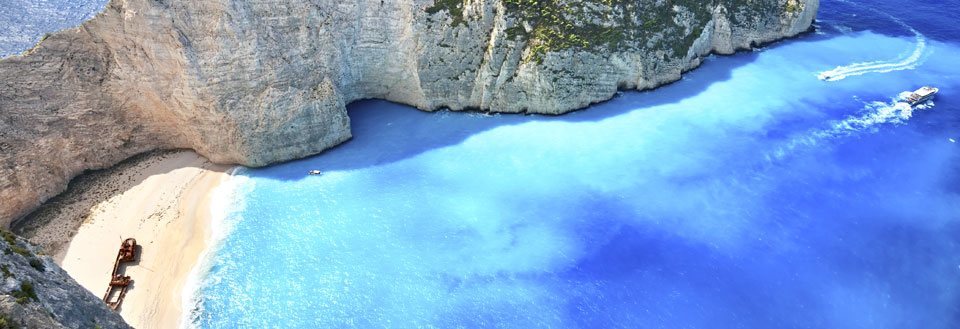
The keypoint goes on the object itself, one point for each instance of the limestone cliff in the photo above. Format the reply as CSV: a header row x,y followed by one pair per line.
x,y
259,81
36,293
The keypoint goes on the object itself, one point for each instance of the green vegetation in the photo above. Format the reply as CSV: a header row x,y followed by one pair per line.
x,y
8,323
20,251
794,7
745,12
6,271
553,28
9,237
25,293
15,247
617,25
454,7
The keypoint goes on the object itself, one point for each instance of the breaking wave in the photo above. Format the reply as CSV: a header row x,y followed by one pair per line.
x,y
904,63
226,204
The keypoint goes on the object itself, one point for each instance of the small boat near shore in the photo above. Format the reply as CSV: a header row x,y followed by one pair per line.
x,y
315,172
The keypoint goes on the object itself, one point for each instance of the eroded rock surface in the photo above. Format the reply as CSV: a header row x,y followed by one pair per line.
x,y
36,293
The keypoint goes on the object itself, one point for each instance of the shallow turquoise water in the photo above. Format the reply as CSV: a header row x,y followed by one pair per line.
x,y
749,195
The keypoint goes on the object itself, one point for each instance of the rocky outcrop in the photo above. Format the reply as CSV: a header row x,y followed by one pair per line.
x,y
260,81
36,293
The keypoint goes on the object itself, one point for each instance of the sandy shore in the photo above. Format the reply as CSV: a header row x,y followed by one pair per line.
x,y
163,202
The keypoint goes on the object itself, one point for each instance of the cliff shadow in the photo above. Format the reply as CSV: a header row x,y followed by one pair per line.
x,y
386,132
54,223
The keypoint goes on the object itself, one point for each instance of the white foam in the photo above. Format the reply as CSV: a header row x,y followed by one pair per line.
x,y
924,106
834,25
874,114
908,62
226,202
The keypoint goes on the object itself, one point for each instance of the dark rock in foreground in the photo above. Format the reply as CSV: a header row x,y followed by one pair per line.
x,y
36,293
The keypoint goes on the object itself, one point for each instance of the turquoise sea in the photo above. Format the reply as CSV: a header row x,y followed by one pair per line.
x,y
751,194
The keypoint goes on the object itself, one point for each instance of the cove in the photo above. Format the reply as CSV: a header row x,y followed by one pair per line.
x,y
750,194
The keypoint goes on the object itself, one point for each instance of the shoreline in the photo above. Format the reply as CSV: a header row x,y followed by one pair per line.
x,y
162,200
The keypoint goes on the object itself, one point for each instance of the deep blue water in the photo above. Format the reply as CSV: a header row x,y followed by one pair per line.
x,y
749,195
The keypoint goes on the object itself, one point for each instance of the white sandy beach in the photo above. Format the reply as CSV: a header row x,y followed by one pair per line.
x,y
166,208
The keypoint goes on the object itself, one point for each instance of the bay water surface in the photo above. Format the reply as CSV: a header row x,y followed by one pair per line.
x,y
780,188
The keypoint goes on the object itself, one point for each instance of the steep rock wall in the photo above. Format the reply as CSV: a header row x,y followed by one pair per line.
x,y
255,82
36,293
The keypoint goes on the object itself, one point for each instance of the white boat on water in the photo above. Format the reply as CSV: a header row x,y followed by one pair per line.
x,y
314,172
921,95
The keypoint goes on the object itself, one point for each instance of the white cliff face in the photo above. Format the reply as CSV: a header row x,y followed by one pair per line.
x,y
260,81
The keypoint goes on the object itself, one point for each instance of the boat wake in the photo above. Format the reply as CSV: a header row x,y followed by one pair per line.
x,y
847,71
872,116
907,62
